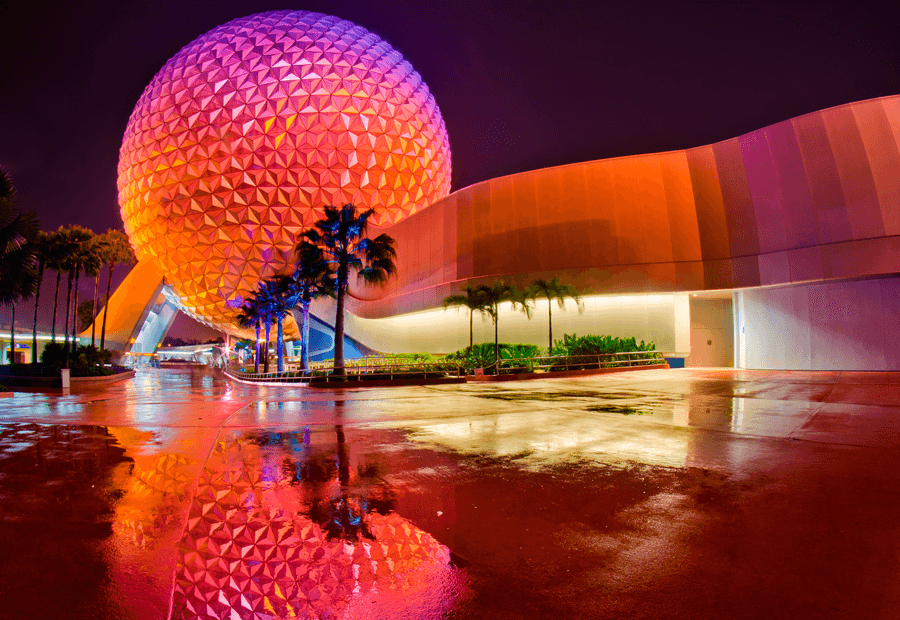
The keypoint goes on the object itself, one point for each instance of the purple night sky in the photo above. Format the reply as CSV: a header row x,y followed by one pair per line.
x,y
520,85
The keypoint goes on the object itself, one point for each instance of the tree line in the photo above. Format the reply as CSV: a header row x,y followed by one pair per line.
x,y
486,300
26,253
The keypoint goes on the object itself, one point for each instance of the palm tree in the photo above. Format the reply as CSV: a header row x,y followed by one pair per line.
x,y
65,256
76,239
471,300
92,267
85,258
250,316
312,278
116,250
18,252
262,298
341,235
43,246
494,295
278,296
56,251
554,289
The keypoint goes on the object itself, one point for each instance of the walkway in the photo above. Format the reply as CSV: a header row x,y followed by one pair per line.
x,y
647,494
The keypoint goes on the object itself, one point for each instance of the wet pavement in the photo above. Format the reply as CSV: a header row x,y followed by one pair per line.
x,y
648,494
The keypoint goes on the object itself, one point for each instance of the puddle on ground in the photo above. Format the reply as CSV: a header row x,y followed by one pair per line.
x,y
328,520
274,524
617,409
58,510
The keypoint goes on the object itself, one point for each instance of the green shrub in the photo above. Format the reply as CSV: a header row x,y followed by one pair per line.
x,y
582,349
87,356
395,358
517,358
84,361
482,355
598,345
54,355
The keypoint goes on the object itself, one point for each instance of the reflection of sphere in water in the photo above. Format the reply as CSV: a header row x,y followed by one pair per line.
x,y
248,549
248,131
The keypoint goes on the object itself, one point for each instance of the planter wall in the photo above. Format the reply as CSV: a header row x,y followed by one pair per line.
x,y
555,374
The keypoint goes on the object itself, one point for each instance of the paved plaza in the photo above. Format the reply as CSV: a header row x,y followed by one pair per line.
x,y
646,494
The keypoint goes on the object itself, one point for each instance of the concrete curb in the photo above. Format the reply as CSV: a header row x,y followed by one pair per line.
x,y
83,381
56,383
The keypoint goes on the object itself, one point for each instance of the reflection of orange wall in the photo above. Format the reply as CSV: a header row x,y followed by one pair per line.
x,y
812,198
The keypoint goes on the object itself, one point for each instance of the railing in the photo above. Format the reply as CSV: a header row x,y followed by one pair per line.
x,y
555,363
367,363
380,369
266,377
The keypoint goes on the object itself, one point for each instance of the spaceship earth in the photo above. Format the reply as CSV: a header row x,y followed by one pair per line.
x,y
249,131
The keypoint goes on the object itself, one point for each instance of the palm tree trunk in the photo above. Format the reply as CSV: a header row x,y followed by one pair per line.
x,y
71,278
75,307
12,334
258,348
550,316
266,358
94,310
471,313
37,298
106,307
56,304
496,339
280,344
304,342
339,369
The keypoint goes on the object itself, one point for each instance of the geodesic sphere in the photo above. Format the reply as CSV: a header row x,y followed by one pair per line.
x,y
248,132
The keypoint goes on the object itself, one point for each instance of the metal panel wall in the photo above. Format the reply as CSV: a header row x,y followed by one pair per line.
x,y
809,199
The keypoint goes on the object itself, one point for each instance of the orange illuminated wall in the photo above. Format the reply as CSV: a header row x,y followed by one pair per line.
x,y
809,199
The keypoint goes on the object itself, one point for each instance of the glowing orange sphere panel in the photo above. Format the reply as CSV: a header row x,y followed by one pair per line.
x,y
248,132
